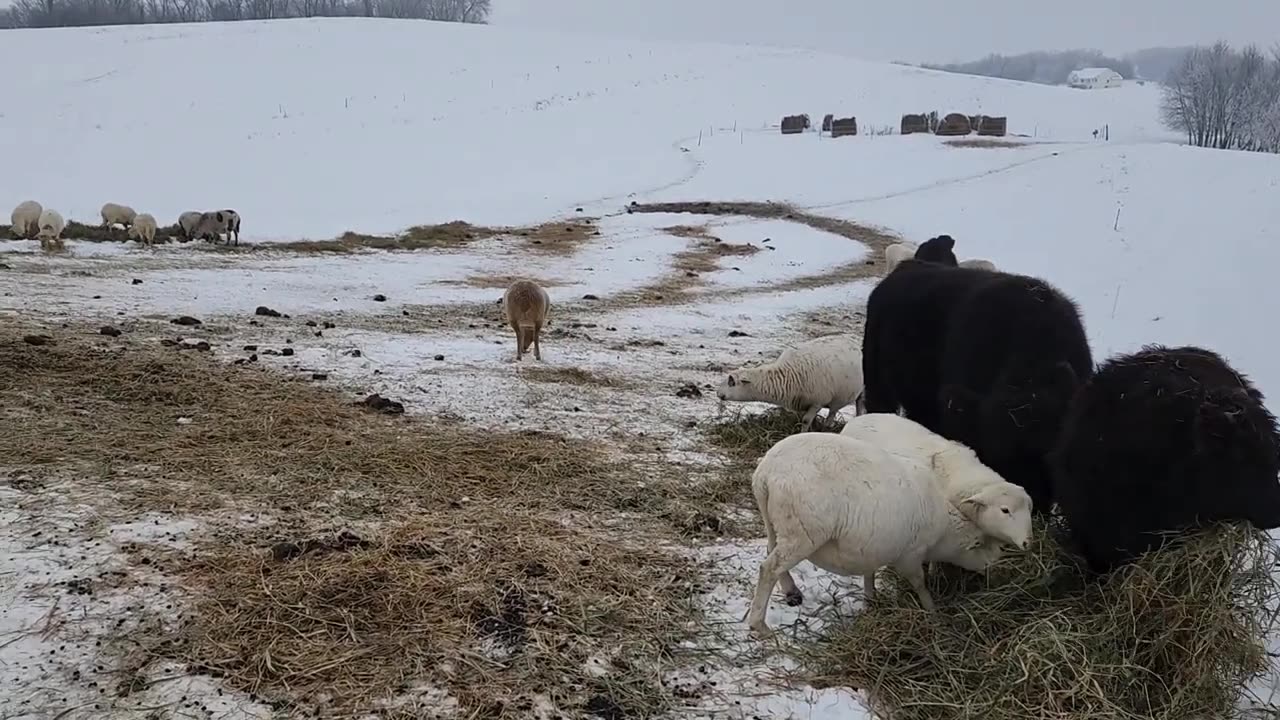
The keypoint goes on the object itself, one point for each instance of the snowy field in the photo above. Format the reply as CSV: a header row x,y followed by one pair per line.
x,y
314,128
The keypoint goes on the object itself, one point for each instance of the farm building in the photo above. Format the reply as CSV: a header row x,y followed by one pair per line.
x,y
1094,78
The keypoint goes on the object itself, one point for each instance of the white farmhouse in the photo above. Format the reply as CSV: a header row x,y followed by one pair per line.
x,y
1094,78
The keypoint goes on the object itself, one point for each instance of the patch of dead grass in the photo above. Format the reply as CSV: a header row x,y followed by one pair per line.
x,y
471,579
571,376
1175,635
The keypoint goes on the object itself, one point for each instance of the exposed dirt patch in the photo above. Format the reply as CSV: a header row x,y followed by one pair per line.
x,y
983,143
559,237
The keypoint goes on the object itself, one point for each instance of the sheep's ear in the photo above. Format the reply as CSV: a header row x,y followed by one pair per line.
x,y
971,506
732,381
946,241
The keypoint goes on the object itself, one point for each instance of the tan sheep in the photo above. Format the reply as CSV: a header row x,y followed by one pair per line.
x,y
114,214
527,306
24,221
51,226
144,229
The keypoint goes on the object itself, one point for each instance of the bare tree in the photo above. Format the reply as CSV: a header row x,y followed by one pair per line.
x,y
1226,99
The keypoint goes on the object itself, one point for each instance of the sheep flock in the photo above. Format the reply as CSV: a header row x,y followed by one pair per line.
x,y
979,409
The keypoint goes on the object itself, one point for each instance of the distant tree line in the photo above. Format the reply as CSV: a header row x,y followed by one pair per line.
x,y
72,13
1049,68
1225,98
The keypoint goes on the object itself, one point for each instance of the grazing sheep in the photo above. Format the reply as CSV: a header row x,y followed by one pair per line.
x,y
978,264
24,221
51,226
1001,509
851,508
187,223
1160,441
988,359
144,228
939,250
896,253
825,372
527,306
113,213
212,225
233,224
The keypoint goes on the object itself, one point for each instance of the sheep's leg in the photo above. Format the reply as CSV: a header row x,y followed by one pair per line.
x,y
537,350
519,340
860,404
793,595
913,570
869,587
806,422
830,420
776,565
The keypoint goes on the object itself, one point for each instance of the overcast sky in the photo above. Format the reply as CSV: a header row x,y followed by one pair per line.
x,y
914,30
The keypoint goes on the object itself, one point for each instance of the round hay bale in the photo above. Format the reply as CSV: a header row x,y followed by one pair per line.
x,y
1176,635
954,124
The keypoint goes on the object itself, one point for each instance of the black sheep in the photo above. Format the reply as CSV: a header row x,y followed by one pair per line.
x,y
940,250
1160,441
989,359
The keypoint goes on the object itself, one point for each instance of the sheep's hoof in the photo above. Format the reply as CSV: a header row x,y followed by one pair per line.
x,y
794,599
762,631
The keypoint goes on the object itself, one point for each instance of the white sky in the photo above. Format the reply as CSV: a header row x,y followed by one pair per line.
x,y
913,30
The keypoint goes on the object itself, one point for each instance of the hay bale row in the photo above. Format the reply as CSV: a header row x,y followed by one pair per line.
x,y
922,123
795,124
991,126
954,124
844,126
826,122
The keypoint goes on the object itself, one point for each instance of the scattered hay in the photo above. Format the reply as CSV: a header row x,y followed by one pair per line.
x,y
1175,636
469,577
501,282
984,143
492,607
448,235
750,435
690,231
571,376
257,440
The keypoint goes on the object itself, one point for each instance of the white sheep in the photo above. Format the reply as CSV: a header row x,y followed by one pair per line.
x,y
851,508
896,253
1000,508
978,264
825,372
188,221
51,226
144,228
24,221
113,214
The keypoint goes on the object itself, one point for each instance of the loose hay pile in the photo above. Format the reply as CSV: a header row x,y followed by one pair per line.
x,y
488,564
1173,637
750,435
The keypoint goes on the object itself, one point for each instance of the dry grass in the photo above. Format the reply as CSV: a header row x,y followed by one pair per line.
x,y
876,241
561,238
470,579
97,233
982,143
1173,637
571,376
750,435
501,282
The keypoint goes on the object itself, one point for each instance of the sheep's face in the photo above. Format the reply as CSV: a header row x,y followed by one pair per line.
x,y
976,555
737,386
939,250
1002,511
